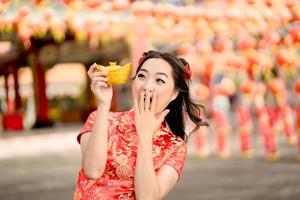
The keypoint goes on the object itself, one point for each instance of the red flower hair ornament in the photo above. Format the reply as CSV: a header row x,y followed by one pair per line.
x,y
186,68
188,71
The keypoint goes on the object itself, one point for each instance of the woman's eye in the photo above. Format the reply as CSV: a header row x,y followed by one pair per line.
x,y
160,81
141,76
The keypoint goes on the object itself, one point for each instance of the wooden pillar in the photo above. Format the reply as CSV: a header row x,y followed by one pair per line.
x,y
18,103
8,101
41,100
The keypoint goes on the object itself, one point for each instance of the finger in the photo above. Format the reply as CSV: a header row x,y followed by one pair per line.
x,y
102,73
91,69
136,106
147,101
101,78
141,101
101,84
153,102
163,115
96,83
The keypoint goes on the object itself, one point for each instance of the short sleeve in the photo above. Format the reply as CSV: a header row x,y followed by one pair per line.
x,y
177,157
88,126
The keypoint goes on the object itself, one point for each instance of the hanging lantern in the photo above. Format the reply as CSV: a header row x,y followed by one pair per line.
x,y
39,28
269,3
297,86
251,2
247,87
201,92
7,24
81,36
283,58
276,86
120,5
288,40
40,3
221,43
290,3
295,33
270,37
93,3
48,14
24,10
79,29
57,29
67,2
246,41
184,48
25,33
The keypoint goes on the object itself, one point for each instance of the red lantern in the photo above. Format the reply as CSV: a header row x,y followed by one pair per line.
x,y
24,10
288,40
282,57
295,33
247,87
290,3
246,41
184,48
270,37
120,4
297,87
201,92
67,2
250,1
93,3
276,86
221,90
221,44
269,3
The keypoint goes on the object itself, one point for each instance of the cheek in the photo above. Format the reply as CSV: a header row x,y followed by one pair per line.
x,y
163,99
136,87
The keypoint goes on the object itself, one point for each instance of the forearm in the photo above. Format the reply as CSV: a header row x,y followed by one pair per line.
x,y
145,181
95,154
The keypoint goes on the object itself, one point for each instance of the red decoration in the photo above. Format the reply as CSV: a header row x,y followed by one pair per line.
x,y
247,87
297,87
13,121
93,3
68,1
188,70
276,86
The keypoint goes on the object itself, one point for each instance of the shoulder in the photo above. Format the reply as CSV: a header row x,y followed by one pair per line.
x,y
172,141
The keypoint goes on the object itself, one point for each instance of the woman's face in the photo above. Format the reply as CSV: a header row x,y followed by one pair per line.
x,y
155,75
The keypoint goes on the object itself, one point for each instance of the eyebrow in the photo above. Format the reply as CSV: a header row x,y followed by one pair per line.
x,y
159,73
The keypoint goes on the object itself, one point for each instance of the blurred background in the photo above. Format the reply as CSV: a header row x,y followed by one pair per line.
x,y
245,59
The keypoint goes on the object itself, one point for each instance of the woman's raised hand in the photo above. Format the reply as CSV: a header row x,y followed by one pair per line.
x,y
101,90
146,120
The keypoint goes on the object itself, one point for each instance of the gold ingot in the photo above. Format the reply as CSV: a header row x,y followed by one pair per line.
x,y
116,74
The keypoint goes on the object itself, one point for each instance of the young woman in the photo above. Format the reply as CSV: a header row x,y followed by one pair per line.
x,y
138,154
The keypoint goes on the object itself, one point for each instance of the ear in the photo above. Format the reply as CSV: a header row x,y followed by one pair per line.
x,y
174,95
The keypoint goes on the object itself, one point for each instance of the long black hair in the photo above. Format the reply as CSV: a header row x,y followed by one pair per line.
x,y
182,105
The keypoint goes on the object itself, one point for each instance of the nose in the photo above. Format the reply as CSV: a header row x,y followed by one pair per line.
x,y
148,86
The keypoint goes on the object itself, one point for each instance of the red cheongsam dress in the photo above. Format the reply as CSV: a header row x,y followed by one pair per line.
x,y
117,180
